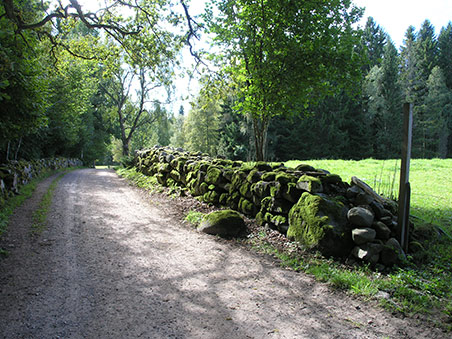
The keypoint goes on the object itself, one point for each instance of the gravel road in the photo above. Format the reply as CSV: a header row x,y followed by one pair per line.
x,y
114,264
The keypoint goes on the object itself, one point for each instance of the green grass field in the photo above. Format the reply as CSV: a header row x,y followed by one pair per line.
x,y
431,184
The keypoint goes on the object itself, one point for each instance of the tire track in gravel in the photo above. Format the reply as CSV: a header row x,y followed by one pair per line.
x,y
112,265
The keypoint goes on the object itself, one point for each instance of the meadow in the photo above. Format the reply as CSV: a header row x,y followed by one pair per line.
x,y
430,180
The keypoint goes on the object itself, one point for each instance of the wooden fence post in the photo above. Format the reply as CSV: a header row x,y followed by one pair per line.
x,y
405,188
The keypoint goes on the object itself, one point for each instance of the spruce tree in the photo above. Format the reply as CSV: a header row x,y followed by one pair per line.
x,y
445,53
439,113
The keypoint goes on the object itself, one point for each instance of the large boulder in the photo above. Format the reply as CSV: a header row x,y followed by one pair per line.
x,y
222,223
320,223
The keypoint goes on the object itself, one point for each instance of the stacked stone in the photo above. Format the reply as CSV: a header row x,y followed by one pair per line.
x,y
373,229
15,174
311,206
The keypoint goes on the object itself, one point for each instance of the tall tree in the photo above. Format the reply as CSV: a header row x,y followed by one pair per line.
x,y
130,116
439,113
409,65
373,42
445,53
178,137
201,126
384,103
284,54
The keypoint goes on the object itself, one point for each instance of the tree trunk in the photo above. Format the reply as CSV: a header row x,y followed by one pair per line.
x,y
260,127
125,147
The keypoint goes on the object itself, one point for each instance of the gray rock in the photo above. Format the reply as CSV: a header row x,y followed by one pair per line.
x,y
368,252
353,191
392,253
363,235
360,216
385,213
363,199
386,220
378,209
222,223
383,231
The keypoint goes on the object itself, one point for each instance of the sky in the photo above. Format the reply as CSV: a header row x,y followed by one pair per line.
x,y
395,16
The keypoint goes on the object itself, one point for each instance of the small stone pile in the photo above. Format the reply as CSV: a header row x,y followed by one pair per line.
x,y
15,174
308,205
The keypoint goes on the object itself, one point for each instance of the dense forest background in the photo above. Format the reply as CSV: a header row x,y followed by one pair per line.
x,y
100,87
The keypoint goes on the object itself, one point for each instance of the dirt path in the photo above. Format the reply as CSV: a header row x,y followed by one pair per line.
x,y
112,265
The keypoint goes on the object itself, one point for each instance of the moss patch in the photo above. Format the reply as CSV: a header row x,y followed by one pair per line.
x,y
310,184
222,223
319,223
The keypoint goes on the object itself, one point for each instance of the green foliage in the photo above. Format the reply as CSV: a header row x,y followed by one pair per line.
x,y
273,55
194,218
138,178
201,126
383,105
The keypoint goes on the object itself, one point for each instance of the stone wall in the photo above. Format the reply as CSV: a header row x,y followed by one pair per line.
x,y
308,205
15,174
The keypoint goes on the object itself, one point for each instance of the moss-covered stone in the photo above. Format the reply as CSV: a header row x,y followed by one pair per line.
x,y
261,189
211,197
260,219
269,176
285,178
224,199
310,184
246,206
275,189
245,190
222,223
214,175
203,188
291,193
305,168
320,223
266,204
164,168
280,206
254,176
331,179
228,173
238,178
175,175
161,178
181,161
201,176
263,166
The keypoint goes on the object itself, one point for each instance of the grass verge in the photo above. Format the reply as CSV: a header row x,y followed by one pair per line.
x,y
139,179
17,200
40,214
